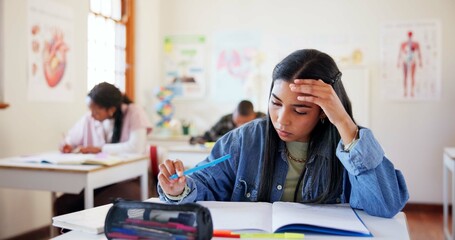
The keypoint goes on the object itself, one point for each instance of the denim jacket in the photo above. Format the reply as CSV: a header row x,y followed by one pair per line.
x,y
370,181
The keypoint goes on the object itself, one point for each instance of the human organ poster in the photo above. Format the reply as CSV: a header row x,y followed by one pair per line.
x,y
50,31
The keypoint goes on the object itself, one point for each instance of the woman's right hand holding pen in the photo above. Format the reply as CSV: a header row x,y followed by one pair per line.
x,y
172,187
66,148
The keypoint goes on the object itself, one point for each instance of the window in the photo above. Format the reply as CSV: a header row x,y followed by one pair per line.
x,y
110,44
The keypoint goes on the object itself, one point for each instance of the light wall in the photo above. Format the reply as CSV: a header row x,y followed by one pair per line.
x,y
1,51
29,127
413,134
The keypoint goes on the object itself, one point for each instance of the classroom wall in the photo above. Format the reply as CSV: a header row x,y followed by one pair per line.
x,y
29,127
413,134
1,51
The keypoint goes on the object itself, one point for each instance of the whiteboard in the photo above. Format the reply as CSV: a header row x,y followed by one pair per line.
x,y
356,82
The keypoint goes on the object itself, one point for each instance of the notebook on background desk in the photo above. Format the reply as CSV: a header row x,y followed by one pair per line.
x,y
75,158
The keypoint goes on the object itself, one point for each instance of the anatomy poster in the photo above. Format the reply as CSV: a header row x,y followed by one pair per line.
x,y
411,60
50,47
237,66
184,65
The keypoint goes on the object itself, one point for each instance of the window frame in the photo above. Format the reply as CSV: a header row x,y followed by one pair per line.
x,y
128,20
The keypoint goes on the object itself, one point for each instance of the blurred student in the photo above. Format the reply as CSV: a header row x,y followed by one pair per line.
x,y
308,149
241,115
113,125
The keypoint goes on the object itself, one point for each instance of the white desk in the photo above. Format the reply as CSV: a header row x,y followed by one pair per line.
x,y
381,228
448,166
189,154
72,178
177,147
168,141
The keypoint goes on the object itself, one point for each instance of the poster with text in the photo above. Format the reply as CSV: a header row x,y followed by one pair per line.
x,y
184,65
411,60
50,47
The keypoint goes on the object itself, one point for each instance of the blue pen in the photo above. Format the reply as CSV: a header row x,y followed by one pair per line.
x,y
214,162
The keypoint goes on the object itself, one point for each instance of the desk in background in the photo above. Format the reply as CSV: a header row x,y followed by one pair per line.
x,y
72,178
175,147
448,167
168,141
381,228
189,154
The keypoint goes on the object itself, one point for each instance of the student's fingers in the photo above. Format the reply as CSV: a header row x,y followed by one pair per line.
x,y
169,165
323,95
178,166
163,179
66,148
311,87
314,91
170,186
96,150
164,170
83,150
310,82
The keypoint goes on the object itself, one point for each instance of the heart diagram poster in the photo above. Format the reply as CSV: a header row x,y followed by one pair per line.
x,y
50,48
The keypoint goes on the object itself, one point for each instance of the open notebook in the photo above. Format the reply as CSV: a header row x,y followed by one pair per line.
x,y
74,158
279,217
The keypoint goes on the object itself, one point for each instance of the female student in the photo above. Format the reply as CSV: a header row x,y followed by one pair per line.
x,y
113,125
308,149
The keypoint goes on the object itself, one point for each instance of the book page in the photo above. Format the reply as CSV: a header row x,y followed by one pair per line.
x,y
56,158
76,158
240,216
103,159
333,216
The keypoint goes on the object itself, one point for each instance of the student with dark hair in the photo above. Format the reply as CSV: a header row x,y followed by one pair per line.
x,y
241,115
308,149
113,125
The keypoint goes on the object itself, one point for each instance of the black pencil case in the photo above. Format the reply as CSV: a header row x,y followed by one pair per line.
x,y
149,220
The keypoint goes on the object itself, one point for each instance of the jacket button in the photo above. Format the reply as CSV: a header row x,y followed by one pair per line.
x,y
248,195
279,187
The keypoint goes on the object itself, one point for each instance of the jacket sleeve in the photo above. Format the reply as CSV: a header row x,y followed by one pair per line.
x,y
214,183
376,186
